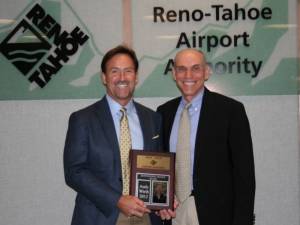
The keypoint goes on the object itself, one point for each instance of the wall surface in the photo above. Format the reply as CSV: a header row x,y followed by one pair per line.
x,y
33,119
31,170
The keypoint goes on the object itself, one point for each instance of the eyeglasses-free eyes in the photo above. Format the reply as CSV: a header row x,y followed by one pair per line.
x,y
119,71
195,69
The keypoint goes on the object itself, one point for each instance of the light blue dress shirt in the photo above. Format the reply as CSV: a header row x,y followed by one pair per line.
x,y
137,140
194,113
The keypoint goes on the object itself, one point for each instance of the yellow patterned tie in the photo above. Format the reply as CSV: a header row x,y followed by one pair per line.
x,y
125,146
183,161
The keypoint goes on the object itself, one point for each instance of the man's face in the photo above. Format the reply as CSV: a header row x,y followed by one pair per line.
x,y
190,72
159,189
120,78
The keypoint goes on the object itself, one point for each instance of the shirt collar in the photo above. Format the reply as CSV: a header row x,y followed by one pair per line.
x,y
195,103
115,106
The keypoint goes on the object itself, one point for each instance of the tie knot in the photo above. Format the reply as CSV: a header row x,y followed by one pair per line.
x,y
123,111
185,111
187,105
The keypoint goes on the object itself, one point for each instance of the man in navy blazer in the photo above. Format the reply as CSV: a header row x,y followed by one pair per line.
x,y
222,172
92,162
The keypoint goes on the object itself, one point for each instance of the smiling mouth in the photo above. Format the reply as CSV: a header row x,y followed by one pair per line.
x,y
188,83
122,84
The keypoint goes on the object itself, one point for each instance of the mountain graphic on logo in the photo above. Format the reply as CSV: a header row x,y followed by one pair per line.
x,y
24,47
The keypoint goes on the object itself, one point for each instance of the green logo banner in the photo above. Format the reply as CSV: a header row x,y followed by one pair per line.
x,y
53,49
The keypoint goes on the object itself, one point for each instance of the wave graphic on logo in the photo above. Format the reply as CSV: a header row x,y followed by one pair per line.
x,y
24,55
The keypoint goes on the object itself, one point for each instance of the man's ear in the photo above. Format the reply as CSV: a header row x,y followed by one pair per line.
x,y
103,78
173,74
136,78
207,72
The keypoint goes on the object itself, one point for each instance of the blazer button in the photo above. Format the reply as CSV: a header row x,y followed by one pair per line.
x,y
120,179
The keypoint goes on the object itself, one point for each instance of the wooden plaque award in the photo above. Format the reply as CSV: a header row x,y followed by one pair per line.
x,y
152,178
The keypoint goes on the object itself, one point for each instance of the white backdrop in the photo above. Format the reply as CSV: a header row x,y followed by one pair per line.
x,y
32,133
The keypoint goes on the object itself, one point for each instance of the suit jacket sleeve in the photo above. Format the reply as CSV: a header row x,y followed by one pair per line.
x,y
78,174
240,144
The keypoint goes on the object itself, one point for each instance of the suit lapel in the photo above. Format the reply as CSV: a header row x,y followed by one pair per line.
x,y
169,120
107,123
204,124
205,115
145,126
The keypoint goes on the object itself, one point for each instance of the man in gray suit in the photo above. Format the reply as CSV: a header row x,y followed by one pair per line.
x,y
92,161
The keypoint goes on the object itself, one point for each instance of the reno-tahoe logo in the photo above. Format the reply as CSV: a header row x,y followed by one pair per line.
x,y
37,35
